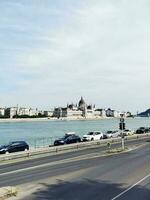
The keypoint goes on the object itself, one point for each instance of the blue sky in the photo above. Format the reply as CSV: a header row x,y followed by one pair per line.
x,y
53,52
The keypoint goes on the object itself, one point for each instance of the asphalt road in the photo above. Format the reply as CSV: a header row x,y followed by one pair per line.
x,y
84,175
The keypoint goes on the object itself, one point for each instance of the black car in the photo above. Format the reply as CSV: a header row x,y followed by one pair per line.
x,y
142,130
14,147
67,139
147,129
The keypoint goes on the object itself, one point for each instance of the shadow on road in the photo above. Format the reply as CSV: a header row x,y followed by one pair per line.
x,y
87,190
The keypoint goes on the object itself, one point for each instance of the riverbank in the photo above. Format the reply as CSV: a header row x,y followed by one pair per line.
x,y
55,119
50,119
25,119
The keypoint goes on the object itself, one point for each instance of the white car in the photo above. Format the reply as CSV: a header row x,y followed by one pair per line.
x,y
128,132
115,134
95,135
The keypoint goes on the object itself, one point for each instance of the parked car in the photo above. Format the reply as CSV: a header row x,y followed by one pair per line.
x,y
93,136
14,147
140,131
68,138
128,132
108,134
111,134
147,129
143,130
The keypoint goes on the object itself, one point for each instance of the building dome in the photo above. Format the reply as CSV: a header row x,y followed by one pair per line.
x,y
81,104
89,107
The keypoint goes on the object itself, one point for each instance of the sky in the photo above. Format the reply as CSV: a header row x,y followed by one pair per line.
x,y
54,52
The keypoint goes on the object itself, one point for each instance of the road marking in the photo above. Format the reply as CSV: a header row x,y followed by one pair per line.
x,y
125,191
67,160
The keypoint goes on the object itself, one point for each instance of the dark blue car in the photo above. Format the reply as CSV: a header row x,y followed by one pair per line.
x,y
14,147
67,139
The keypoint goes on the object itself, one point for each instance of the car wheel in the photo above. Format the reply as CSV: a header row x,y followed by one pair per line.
x,y
92,139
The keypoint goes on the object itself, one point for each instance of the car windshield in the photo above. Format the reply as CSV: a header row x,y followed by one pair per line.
x,y
12,143
5,145
64,137
16,143
109,132
90,133
114,132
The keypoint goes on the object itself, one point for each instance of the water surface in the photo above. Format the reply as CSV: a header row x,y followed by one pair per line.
x,y
44,132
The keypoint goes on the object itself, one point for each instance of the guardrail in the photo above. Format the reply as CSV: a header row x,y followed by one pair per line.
x,y
76,146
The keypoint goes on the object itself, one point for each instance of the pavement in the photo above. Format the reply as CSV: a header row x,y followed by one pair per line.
x,y
6,192
83,175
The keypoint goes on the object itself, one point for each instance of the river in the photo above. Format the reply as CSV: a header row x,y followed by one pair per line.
x,y
41,133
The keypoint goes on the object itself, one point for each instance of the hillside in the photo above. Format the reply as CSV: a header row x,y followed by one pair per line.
x,y
145,113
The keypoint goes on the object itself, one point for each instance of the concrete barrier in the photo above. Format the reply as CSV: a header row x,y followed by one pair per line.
x,y
76,146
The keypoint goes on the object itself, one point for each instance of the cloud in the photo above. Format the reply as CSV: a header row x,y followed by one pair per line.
x,y
99,49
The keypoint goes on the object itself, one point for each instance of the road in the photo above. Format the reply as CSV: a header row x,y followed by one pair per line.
x,y
84,175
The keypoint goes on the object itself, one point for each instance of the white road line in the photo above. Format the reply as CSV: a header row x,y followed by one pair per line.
x,y
67,160
125,191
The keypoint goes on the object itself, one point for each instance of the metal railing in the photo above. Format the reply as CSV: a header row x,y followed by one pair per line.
x,y
72,147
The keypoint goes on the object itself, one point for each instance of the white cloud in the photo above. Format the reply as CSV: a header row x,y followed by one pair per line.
x,y
100,52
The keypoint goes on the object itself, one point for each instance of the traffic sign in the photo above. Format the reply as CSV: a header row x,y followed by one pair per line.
x,y
122,126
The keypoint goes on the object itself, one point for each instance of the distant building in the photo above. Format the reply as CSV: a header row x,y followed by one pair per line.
x,y
82,105
82,109
128,114
57,112
11,112
109,113
67,112
2,112
76,110
103,113
100,112
33,112
49,113
23,111
116,114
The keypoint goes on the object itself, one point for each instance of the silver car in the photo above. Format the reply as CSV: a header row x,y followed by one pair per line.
x,y
112,134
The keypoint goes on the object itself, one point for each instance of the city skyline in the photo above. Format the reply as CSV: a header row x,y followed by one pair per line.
x,y
70,105
72,111
54,52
